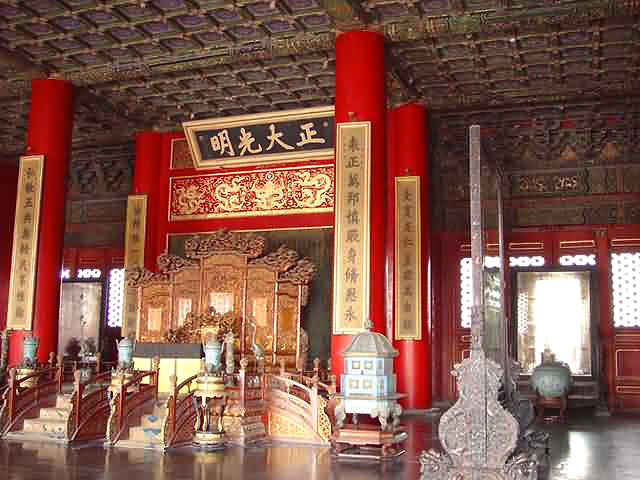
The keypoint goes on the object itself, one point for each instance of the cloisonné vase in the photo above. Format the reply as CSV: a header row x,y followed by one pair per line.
x,y
29,350
551,378
125,353
212,353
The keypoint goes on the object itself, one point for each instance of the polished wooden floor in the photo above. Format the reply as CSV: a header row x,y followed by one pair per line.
x,y
588,448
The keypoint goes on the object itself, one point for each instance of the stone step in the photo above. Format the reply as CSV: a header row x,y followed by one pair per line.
x,y
148,435
44,440
153,420
47,427
133,444
55,413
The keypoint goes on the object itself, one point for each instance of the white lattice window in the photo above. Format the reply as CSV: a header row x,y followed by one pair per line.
x,y
577,260
527,261
489,262
88,273
625,283
523,313
116,297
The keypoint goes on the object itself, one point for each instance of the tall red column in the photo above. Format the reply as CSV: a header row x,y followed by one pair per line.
x,y
48,134
146,177
8,190
360,96
408,156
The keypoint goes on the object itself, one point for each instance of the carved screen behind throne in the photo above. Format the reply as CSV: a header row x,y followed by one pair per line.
x,y
185,294
289,297
229,273
260,307
154,311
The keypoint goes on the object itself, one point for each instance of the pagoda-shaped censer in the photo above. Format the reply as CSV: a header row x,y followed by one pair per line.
x,y
369,388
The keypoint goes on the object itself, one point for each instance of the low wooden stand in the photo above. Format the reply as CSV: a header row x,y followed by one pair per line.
x,y
368,442
551,402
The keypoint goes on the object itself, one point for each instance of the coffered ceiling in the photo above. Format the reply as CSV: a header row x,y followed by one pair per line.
x,y
155,63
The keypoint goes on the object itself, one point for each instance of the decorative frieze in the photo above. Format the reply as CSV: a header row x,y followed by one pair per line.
x,y
261,192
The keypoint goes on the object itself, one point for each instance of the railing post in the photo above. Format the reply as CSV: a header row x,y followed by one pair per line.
x,y
316,367
78,389
121,401
173,382
156,373
314,402
243,380
282,367
12,395
60,373
98,362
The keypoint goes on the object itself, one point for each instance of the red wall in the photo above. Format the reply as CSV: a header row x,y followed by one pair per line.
x,y
8,191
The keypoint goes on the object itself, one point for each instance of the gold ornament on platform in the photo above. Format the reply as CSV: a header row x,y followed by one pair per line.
x,y
195,325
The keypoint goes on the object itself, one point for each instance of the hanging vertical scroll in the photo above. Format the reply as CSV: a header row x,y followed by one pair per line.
x,y
133,255
25,243
408,268
351,260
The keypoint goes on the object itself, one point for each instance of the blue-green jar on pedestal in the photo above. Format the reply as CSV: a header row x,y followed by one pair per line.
x,y
551,378
29,350
125,353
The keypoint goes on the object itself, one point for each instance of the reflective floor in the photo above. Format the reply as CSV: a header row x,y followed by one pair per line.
x,y
589,448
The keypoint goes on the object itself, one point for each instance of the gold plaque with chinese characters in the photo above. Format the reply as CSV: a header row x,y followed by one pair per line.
x,y
25,243
133,255
408,270
351,260
262,139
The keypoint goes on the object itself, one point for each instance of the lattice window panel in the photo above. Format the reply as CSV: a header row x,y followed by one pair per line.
x,y
89,273
115,303
527,261
577,260
490,262
523,313
65,274
625,282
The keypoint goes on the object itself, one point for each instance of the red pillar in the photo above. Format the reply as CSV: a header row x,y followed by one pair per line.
x,y
360,96
146,177
408,156
606,329
8,191
49,134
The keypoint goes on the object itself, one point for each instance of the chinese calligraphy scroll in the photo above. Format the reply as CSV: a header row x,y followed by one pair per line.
x,y
407,260
263,138
25,243
351,261
133,255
